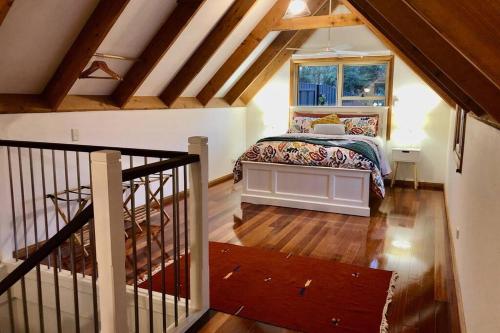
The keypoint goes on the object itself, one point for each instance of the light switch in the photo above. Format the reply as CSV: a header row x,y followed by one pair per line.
x,y
75,134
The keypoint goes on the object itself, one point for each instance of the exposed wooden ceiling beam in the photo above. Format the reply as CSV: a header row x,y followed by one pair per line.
x,y
317,22
273,16
443,94
206,50
432,54
4,9
274,54
24,103
476,34
79,54
159,45
274,66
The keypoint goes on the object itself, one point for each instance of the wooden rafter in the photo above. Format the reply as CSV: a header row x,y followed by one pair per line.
x,y
433,54
476,34
152,54
274,66
79,54
4,9
317,22
271,58
206,50
273,16
23,103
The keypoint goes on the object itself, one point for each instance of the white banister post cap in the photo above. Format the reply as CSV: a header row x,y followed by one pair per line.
x,y
106,156
200,140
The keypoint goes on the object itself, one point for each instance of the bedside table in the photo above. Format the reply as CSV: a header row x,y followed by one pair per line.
x,y
405,155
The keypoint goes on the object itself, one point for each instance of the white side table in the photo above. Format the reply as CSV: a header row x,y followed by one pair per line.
x,y
405,155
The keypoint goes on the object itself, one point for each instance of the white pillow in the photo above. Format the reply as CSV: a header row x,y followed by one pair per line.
x,y
329,129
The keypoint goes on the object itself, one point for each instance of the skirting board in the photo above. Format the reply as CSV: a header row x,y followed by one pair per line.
x,y
458,290
334,190
168,199
421,185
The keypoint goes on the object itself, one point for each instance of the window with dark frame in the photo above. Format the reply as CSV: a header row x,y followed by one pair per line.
x,y
459,140
342,81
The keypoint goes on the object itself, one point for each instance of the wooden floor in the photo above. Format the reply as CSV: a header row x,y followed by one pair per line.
x,y
406,232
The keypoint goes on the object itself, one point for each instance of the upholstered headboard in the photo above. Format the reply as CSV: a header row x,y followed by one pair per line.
x,y
380,111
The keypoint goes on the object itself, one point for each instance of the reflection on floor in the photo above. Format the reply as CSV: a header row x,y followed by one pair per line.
x,y
406,232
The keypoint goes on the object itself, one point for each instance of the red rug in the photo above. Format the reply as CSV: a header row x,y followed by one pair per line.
x,y
295,292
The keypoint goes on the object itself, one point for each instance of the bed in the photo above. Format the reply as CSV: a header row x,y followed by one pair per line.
x,y
323,172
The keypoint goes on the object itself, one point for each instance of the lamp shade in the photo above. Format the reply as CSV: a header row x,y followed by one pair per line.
x,y
297,8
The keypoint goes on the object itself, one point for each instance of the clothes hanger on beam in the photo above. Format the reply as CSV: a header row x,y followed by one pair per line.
x,y
100,65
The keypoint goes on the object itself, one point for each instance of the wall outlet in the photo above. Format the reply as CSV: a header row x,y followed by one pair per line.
x,y
75,134
457,233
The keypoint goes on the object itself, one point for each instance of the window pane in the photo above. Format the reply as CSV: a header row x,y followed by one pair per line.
x,y
363,102
364,80
317,85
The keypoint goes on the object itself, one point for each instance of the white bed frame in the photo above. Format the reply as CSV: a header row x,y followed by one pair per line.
x,y
344,191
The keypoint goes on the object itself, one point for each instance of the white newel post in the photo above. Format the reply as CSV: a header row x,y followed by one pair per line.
x,y
110,242
198,217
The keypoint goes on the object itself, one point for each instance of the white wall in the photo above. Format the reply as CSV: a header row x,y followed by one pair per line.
x,y
154,129
151,129
420,116
472,199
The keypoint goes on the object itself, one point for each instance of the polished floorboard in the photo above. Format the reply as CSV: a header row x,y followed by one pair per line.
x,y
406,232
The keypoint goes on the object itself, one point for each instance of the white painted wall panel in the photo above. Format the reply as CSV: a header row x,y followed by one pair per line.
x,y
472,202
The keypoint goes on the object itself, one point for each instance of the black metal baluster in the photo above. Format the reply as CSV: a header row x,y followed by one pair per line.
x,y
72,247
35,229
58,210
176,249
44,194
13,204
79,192
11,312
93,256
23,284
14,226
57,259
186,243
134,249
148,239
56,290
162,242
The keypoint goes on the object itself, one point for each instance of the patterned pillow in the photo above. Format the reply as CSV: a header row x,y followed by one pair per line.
x,y
301,125
361,125
330,119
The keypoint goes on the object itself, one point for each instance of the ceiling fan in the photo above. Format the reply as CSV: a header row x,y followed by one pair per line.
x,y
328,49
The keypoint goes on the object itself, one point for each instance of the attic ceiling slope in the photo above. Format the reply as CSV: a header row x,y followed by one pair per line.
x,y
4,9
432,53
156,49
243,51
205,50
278,46
91,36
476,34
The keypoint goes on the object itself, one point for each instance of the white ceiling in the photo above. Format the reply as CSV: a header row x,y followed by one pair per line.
x,y
31,52
237,36
194,33
131,33
34,38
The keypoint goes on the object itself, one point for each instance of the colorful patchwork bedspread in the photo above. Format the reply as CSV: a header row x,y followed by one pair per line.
x,y
324,151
